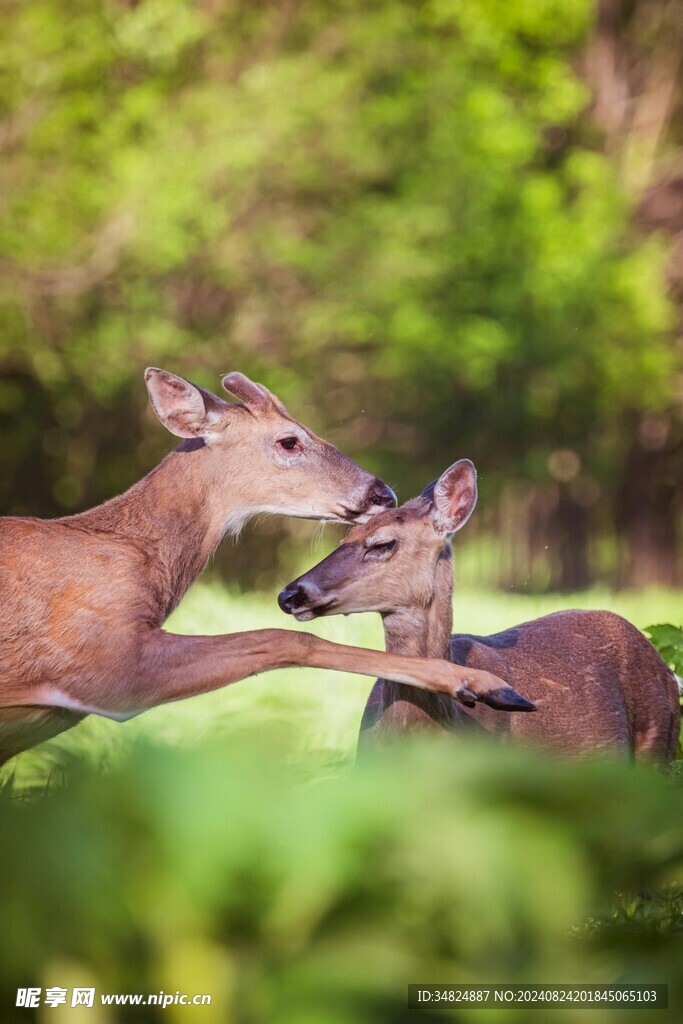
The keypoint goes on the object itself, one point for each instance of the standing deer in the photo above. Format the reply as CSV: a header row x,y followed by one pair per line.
x,y
597,683
83,598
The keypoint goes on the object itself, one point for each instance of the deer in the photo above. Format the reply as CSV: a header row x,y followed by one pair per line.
x,y
84,597
597,683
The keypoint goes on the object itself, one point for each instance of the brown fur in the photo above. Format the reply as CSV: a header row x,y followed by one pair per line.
x,y
599,686
83,598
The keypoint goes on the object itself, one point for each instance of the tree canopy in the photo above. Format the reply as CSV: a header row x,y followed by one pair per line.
x,y
400,216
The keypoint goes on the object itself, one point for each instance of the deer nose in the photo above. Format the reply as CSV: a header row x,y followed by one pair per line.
x,y
291,598
380,494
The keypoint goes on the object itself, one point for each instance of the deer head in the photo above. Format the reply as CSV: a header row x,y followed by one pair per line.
x,y
261,457
395,562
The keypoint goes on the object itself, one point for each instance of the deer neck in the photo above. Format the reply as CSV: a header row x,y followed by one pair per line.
x,y
424,632
177,514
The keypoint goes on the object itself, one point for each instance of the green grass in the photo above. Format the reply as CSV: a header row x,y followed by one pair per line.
x,y
320,710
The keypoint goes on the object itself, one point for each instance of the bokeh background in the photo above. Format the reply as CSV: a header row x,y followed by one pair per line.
x,y
436,229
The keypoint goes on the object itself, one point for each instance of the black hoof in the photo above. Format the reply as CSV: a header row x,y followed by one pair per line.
x,y
507,699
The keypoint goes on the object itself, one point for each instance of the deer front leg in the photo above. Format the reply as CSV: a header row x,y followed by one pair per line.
x,y
460,682
171,667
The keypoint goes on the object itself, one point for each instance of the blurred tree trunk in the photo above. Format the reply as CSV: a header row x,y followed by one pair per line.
x,y
648,513
569,529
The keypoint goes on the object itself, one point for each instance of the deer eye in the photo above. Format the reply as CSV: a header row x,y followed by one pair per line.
x,y
380,550
289,443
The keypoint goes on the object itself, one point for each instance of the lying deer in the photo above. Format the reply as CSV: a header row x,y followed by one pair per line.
x,y
83,598
598,684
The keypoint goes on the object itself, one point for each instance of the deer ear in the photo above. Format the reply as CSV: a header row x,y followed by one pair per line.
x,y
183,408
254,396
453,496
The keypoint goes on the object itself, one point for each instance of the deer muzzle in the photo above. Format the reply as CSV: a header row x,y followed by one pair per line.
x,y
377,497
304,601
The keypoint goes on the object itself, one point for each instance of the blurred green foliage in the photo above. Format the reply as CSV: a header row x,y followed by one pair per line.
x,y
219,872
397,215
668,640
